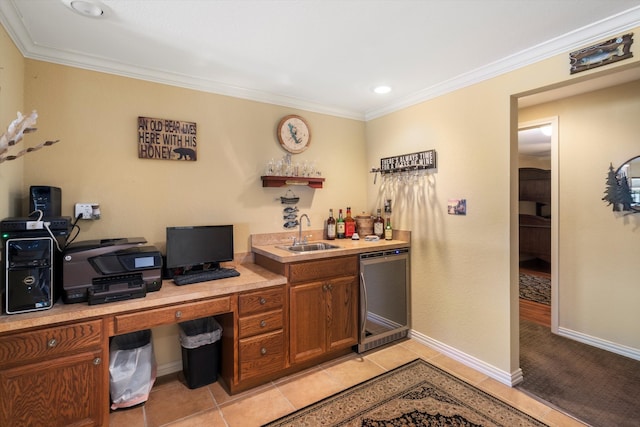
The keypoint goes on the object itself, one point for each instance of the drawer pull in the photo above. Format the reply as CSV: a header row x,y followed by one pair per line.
x,y
97,361
178,314
263,301
263,323
263,351
52,342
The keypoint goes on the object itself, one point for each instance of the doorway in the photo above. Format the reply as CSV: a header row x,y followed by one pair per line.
x,y
538,231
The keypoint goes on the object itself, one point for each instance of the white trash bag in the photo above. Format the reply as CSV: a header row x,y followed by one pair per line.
x,y
132,369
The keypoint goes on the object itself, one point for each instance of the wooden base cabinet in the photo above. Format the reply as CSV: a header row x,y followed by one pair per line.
x,y
323,307
256,351
54,377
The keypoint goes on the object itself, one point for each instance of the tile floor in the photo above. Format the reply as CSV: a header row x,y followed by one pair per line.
x,y
171,403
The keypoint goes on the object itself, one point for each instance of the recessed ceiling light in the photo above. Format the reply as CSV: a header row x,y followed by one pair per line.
x,y
382,89
85,7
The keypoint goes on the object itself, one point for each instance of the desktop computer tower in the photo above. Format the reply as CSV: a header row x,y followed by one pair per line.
x,y
31,274
46,199
28,275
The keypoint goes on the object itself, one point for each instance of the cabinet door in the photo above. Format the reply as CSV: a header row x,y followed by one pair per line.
x,y
56,392
308,321
342,315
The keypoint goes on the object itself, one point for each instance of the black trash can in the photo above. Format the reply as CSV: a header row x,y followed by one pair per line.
x,y
200,341
132,369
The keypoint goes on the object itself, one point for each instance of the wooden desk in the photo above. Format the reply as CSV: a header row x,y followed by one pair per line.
x,y
54,366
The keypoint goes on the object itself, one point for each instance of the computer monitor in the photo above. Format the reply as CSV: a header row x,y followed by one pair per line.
x,y
200,247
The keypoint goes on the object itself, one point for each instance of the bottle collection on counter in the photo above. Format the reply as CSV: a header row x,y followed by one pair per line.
x,y
363,226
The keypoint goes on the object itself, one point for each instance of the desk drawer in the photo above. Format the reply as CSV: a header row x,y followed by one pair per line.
x,y
260,323
47,343
260,301
261,355
125,323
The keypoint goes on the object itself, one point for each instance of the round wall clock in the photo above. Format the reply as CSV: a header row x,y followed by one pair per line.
x,y
294,134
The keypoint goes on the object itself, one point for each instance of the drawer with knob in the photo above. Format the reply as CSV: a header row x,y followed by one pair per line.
x,y
260,323
124,323
260,301
51,342
261,355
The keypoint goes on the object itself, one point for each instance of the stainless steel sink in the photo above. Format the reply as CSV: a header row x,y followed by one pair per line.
x,y
309,247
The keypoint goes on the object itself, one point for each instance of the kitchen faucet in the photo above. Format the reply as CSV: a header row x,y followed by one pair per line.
x,y
300,240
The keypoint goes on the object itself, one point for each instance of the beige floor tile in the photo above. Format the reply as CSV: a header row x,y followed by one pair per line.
x,y
133,417
391,357
558,419
458,369
353,371
173,404
514,397
222,397
257,409
303,390
420,349
175,401
210,418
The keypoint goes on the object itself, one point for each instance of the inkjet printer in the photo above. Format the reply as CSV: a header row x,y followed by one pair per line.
x,y
100,271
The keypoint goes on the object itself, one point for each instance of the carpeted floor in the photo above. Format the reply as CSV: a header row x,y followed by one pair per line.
x,y
596,386
415,394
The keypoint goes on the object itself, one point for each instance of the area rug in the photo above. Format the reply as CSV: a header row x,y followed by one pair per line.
x,y
596,386
535,288
415,394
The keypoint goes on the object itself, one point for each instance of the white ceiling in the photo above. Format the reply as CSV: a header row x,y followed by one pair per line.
x,y
317,55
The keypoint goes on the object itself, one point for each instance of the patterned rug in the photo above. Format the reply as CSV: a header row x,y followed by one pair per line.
x,y
415,394
535,288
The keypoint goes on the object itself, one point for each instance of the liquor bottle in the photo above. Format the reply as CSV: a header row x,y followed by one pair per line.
x,y
388,231
340,226
378,225
349,224
331,226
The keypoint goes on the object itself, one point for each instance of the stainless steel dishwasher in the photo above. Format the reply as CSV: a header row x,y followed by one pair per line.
x,y
384,297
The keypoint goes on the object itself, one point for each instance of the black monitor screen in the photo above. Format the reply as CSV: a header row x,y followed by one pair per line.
x,y
199,246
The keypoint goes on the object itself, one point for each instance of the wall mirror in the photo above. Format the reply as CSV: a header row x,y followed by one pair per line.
x,y
623,186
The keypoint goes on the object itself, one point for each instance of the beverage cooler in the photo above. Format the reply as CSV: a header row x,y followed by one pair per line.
x,y
384,297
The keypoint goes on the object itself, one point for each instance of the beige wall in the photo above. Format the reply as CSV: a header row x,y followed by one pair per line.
x,y
11,101
598,249
464,268
95,117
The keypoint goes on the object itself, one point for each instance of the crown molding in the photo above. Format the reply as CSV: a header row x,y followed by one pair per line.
x,y
566,43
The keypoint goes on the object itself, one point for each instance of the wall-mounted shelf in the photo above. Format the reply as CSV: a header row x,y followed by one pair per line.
x,y
281,181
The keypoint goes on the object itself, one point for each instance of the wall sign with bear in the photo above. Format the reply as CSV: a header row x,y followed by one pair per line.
x,y
166,139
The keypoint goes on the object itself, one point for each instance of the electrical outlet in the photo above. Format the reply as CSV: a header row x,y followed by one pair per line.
x,y
84,211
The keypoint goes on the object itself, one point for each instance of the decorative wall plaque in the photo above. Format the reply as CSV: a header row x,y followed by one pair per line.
x,y
166,139
408,162
605,53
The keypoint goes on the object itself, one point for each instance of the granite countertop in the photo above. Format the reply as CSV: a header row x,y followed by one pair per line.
x,y
251,277
268,245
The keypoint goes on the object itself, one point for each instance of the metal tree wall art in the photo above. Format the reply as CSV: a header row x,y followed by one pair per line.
x,y
618,192
14,134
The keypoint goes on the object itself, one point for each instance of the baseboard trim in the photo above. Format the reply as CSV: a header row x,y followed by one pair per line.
x,y
620,349
169,368
510,379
